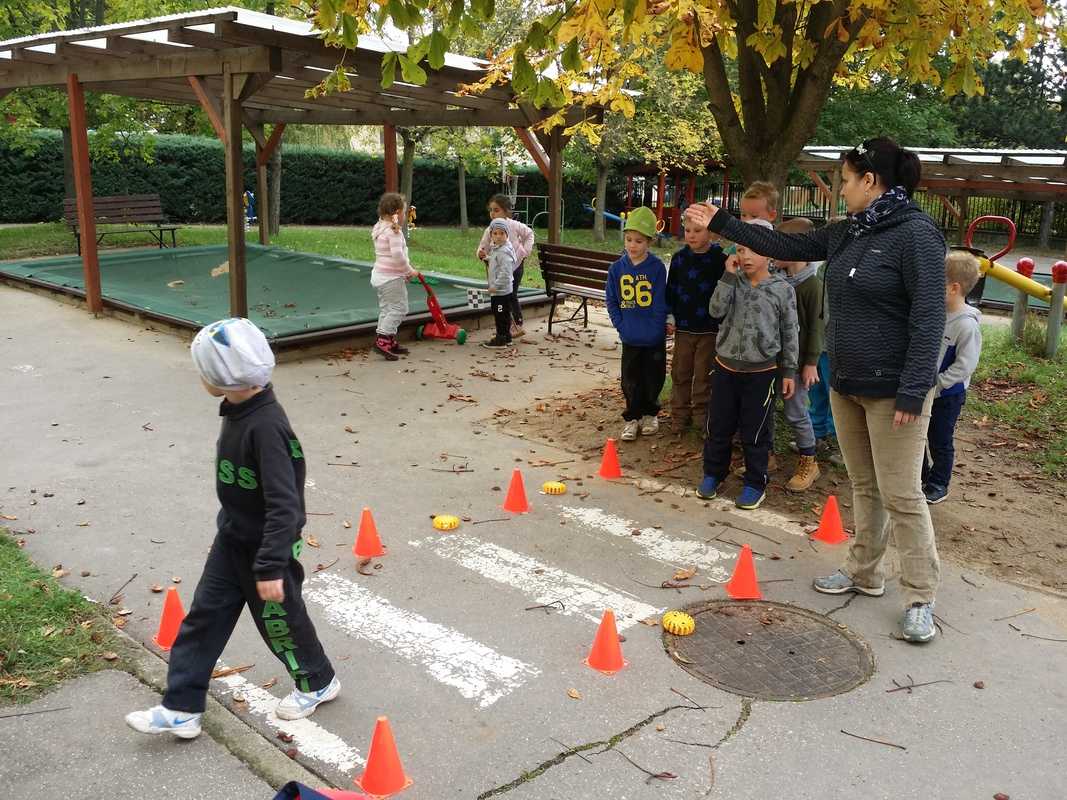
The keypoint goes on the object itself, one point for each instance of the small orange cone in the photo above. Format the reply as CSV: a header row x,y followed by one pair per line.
x,y
830,531
609,464
170,621
742,585
384,774
367,545
516,500
606,653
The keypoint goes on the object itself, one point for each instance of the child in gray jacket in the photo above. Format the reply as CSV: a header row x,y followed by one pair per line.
x,y
757,343
500,269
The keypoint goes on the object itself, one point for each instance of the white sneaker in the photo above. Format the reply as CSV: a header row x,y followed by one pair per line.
x,y
158,720
649,426
630,430
303,704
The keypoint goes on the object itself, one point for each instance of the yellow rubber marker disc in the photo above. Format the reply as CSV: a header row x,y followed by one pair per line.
x,y
678,622
445,522
554,487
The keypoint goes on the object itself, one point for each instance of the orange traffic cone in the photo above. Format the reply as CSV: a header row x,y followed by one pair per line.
x,y
606,653
384,774
742,585
830,531
170,621
609,464
367,545
516,500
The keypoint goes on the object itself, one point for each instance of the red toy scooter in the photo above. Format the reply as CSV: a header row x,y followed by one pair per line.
x,y
440,328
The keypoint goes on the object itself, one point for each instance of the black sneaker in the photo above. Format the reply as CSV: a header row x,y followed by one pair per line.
x,y
935,494
496,343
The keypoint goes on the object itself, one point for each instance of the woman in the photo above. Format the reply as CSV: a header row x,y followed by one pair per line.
x,y
885,295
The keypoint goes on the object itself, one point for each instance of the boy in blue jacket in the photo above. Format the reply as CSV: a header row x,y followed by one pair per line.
x,y
636,297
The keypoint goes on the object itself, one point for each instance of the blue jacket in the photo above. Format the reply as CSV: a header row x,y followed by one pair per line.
x,y
636,297
691,281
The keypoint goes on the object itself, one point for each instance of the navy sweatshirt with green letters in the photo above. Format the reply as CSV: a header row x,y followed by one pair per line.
x,y
260,481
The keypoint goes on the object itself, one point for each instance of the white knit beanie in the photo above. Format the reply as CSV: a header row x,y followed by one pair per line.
x,y
761,222
233,354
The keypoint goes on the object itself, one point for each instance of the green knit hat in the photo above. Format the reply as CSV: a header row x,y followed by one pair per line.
x,y
643,220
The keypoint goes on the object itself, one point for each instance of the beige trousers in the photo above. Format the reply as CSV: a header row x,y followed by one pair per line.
x,y
884,464
691,376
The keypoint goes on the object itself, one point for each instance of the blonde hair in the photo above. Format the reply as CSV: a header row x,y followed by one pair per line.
x,y
797,225
962,267
764,190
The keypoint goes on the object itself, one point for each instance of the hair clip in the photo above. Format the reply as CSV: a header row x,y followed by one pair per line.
x,y
861,148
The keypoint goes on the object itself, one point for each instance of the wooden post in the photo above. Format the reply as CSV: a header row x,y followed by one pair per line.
x,y
629,192
1048,211
389,134
83,184
555,186
235,189
835,193
961,229
660,190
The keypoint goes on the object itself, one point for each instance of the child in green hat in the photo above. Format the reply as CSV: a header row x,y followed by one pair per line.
x,y
636,296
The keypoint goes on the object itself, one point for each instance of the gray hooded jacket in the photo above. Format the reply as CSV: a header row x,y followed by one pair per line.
x,y
759,329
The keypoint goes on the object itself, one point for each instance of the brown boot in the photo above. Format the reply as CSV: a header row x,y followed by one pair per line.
x,y
806,474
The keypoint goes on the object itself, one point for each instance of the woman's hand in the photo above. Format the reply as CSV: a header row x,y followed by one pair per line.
x,y
903,418
701,214
273,591
809,375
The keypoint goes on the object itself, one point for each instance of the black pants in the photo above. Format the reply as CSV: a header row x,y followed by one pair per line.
x,y
516,309
226,586
501,305
941,450
644,369
742,400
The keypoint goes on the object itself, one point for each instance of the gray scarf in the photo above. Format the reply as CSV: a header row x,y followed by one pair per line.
x,y
803,275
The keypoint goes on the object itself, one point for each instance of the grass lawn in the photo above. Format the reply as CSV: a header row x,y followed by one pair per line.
x,y
1025,392
432,249
47,633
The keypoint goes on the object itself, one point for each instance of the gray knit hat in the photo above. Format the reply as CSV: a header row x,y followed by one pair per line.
x,y
233,354
498,225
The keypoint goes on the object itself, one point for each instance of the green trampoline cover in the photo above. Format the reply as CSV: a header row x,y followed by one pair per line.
x,y
288,293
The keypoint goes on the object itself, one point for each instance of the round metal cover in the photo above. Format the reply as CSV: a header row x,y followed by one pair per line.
x,y
770,651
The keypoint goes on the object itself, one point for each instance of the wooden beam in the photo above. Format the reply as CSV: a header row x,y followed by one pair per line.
x,y
555,186
262,185
238,60
210,106
389,140
820,184
125,28
83,185
835,191
962,220
272,143
997,187
949,206
254,128
235,223
533,147
255,83
399,118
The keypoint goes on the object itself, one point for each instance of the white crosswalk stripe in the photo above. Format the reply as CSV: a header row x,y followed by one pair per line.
x,y
476,671
540,582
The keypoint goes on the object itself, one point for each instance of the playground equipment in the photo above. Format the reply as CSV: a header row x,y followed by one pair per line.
x,y
440,328
621,219
1021,279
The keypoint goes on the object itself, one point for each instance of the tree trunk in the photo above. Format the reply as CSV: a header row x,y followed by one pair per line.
x,y
601,200
461,171
274,195
68,164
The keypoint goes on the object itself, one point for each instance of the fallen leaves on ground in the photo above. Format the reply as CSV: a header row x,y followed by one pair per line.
x,y
684,574
59,572
222,672
311,541
574,694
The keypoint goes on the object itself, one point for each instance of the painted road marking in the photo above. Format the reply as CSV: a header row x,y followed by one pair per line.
x,y
540,582
657,544
476,671
310,738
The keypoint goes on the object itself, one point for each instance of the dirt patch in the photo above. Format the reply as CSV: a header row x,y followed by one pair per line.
x,y
1003,517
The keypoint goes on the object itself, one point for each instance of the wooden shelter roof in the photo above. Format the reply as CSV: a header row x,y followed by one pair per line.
x,y
1028,174
181,58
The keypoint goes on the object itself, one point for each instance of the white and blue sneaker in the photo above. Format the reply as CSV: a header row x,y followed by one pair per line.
x,y
158,720
303,704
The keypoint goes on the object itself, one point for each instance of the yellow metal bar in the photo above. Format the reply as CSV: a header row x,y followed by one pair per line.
x,y
1015,280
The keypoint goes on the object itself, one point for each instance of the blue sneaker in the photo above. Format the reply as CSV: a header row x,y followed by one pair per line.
x,y
750,498
158,720
919,623
298,704
709,487
935,494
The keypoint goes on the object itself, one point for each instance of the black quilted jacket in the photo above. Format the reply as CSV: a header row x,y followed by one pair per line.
x,y
886,296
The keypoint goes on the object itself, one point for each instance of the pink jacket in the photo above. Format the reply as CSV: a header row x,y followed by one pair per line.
x,y
390,251
520,236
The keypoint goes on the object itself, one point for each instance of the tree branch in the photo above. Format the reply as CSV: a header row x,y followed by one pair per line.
x,y
749,83
721,103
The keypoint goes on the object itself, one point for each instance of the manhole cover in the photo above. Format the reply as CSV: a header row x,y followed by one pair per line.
x,y
771,651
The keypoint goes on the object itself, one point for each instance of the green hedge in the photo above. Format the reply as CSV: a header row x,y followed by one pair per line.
x,y
319,186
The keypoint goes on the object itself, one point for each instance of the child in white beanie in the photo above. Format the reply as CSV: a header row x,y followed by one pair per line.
x,y
260,474
500,271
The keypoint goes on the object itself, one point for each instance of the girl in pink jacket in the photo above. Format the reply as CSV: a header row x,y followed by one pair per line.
x,y
390,275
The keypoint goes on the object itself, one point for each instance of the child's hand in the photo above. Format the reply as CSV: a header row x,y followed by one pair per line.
x,y
482,254
731,264
271,590
809,375
670,329
788,387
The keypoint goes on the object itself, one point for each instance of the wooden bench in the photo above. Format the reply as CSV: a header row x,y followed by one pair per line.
x,y
136,213
576,272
